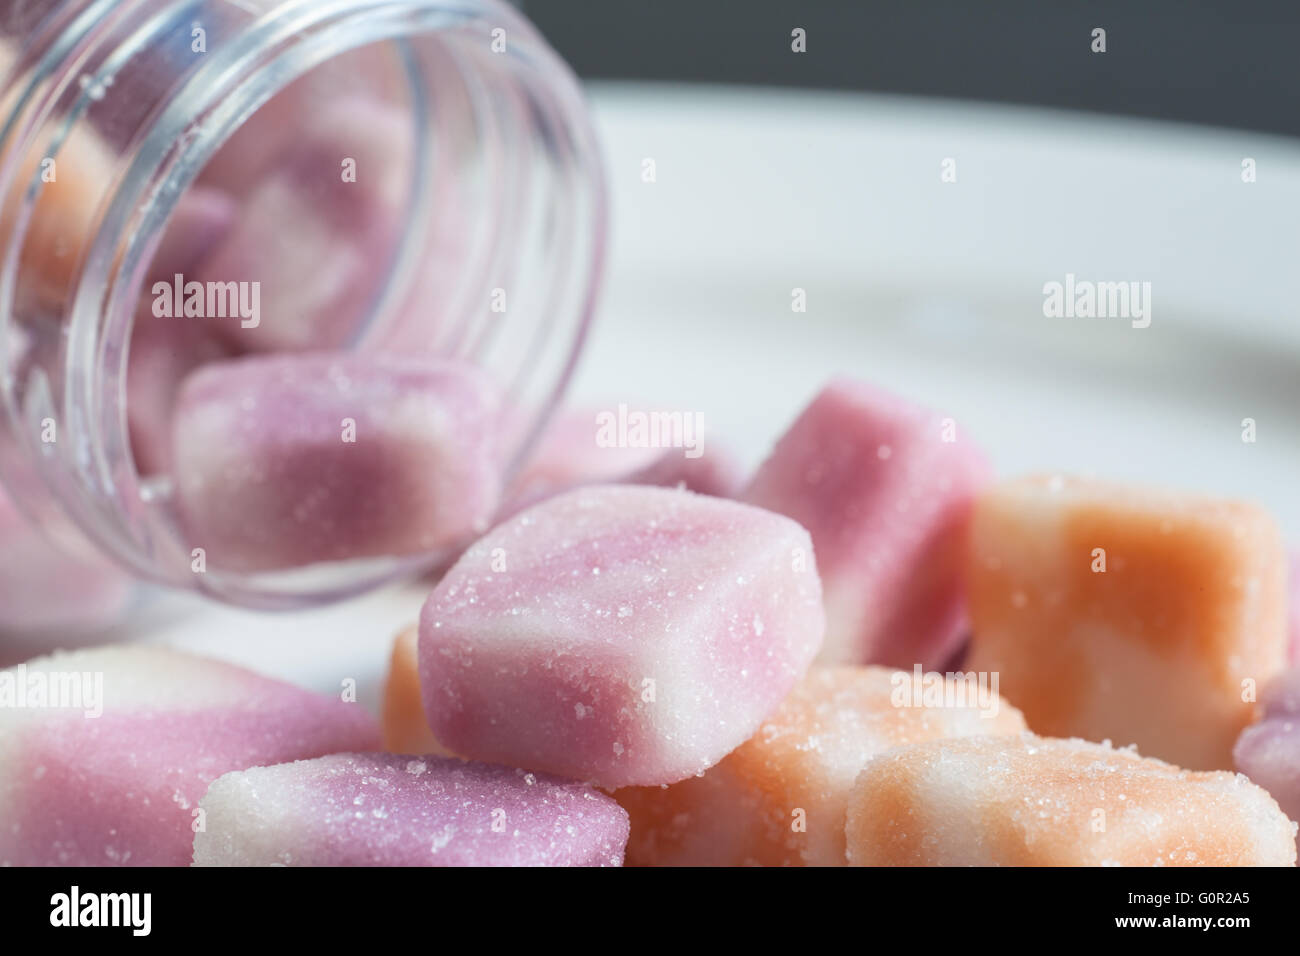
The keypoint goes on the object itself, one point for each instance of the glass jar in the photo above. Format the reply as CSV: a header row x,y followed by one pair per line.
x,y
121,118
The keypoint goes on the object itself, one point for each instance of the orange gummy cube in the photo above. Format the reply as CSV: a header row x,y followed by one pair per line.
x,y
779,799
1032,801
69,186
1141,616
405,729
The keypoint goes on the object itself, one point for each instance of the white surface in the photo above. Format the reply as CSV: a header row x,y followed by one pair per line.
x,y
931,288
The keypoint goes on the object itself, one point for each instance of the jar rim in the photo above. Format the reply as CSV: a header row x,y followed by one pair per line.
x,y
105,495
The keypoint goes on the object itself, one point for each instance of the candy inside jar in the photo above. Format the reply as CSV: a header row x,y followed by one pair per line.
x,y
360,209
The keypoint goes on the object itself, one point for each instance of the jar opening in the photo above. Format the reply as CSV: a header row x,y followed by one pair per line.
x,y
369,176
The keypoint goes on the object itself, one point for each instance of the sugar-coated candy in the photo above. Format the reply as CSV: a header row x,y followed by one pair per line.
x,y
1281,695
406,730
54,585
46,587
318,235
105,753
1141,616
68,188
367,80
202,218
401,810
163,353
1269,752
1293,604
165,348
566,455
885,489
288,460
779,799
166,345
1034,801
619,634
713,473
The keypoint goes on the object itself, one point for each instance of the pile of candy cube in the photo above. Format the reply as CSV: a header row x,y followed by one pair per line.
x,y
870,652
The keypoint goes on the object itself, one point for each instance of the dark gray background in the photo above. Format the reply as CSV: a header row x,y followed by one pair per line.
x,y
1231,64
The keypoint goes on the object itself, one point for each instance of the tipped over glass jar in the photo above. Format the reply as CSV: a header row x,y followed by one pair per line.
x,y
210,209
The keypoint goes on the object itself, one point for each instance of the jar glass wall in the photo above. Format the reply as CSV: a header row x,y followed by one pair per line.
x,y
410,178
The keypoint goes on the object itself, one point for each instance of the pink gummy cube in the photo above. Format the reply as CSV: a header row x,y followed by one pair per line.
x,y
166,347
715,473
566,455
619,634
202,218
367,80
163,352
319,232
112,775
288,460
400,810
1269,752
886,490
46,588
